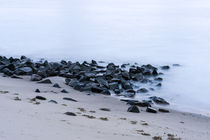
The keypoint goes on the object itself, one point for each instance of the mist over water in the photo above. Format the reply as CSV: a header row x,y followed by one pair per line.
x,y
158,32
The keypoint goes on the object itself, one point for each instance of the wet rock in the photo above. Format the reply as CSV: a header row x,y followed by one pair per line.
x,y
159,79
113,86
70,114
163,110
165,67
138,103
142,90
16,77
53,101
46,81
133,109
126,85
155,73
56,85
105,109
64,91
96,89
36,77
7,72
69,99
159,100
125,75
37,90
24,71
159,85
40,98
151,110
106,92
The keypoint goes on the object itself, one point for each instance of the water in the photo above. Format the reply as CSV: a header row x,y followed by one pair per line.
x,y
147,31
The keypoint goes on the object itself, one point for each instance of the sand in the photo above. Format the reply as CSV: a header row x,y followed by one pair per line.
x,y
25,119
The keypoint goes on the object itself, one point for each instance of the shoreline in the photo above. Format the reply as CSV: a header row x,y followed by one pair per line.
x,y
25,118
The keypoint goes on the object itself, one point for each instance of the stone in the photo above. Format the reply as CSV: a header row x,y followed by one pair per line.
x,y
96,89
105,109
113,86
16,77
36,77
53,101
69,99
125,75
64,91
25,71
37,90
159,100
40,98
165,67
70,114
133,109
142,90
163,110
151,110
46,81
56,85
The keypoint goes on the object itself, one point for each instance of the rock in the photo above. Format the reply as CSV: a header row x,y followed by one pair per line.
x,y
113,86
106,92
176,65
96,89
37,90
151,110
56,85
70,114
69,99
159,85
159,100
142,90
46,81
159,79
64,91
133,109
138,103
125,75
127,85
36,77
7,72
16,77
155,73
105,109
53,101
163,110
165,67
24,71
40,98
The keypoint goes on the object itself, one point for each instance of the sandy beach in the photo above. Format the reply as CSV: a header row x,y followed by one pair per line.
x,y
23,118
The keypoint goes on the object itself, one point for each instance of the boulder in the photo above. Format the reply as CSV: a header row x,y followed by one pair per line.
x,y
56,85
159,100
151,110
46,81
40,98
133,109
36,77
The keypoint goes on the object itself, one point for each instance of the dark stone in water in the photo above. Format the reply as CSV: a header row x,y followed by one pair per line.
x,y
96,89
37,90
70,114
64,91
7,72
159,79
142,90
40,98
140,104
163,110
133,109
53,101
47,81
105,109
125,75
151,110
69,99
159,100
56,85
159,85
165,67
113,86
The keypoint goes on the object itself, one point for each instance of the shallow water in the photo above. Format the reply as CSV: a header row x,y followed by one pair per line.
x,y
149,31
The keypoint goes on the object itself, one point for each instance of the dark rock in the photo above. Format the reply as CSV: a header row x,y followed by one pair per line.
x,y
159,100
102,82
176,65
151,110
64,91
69,99
105,109
40,98
158,79
155,73
133,109
53,101
37,90
96,89
46,81
36,77
138,103
131,91
24,71
163,110
165,67
7,72
56,85
159,85
106,92
142,90
127,85
126,75
113,86
16,77
70,114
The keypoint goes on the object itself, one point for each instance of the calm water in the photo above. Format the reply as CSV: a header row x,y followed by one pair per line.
x,y
144,31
